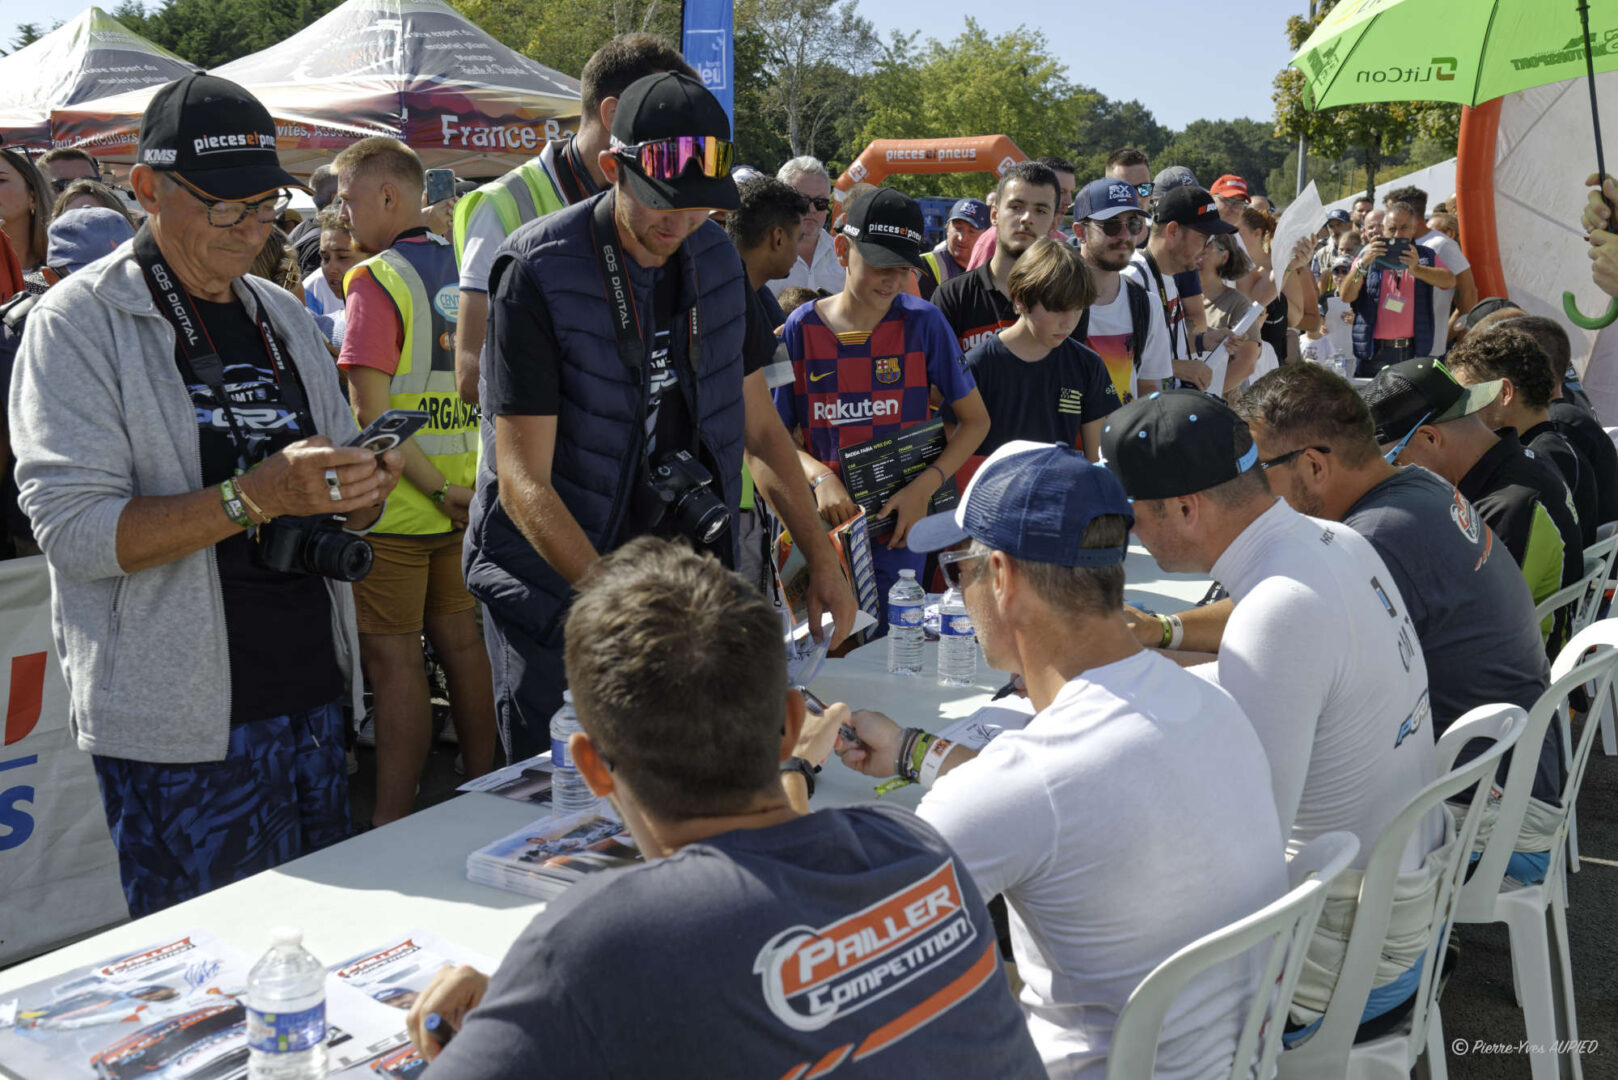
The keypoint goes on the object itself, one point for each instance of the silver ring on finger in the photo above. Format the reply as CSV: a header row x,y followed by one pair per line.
x,y
335,492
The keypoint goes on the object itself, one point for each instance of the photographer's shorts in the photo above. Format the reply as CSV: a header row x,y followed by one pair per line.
x,y
413,576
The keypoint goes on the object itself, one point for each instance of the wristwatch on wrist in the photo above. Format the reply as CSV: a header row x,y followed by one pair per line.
x,y
440,495
799,765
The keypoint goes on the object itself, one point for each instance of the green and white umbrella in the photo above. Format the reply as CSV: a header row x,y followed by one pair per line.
x,y
1460,51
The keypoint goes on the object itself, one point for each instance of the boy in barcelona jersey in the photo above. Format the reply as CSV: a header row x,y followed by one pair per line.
x,y
865,363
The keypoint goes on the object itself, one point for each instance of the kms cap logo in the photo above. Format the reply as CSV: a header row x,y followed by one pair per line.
x,y
812,977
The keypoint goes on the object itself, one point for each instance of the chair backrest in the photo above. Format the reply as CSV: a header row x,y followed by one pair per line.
x,y
1598,560
1278,933
1604,550
1601,635
1332,1041
1571,670
1570,601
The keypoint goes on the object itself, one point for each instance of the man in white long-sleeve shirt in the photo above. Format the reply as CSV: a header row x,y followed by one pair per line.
x,y
1318,651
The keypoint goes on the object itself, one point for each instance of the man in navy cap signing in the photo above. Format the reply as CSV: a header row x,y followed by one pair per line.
x,y
1106,867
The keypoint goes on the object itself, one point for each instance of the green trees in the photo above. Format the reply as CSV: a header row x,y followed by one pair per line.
x,y
213,32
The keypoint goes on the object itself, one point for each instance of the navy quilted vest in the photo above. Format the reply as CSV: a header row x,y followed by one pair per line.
x,y
1366,309
601,423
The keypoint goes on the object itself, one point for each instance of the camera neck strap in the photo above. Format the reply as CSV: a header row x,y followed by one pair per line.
x,y
610,257
198,357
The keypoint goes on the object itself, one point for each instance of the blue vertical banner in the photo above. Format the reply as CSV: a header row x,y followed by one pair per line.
x,y
709,35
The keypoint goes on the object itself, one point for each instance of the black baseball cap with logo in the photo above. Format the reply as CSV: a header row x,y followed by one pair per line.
x,y
1176,442
888,228
216,135
672,140
1192,207
1407,395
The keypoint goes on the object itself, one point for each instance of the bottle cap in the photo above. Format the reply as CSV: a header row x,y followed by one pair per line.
x,y
911,574
286,935
567,697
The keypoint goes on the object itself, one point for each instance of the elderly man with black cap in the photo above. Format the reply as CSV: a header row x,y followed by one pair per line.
x,y
1107,866
1318,650
624,390
180,450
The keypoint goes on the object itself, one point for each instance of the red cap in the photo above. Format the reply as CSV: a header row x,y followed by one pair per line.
x,y
1230,187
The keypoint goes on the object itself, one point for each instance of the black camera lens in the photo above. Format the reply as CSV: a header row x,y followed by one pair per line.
x,y
338,554
702,515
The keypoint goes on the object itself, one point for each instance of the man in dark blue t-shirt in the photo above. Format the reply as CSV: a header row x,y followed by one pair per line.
x,y
1467,599
755,940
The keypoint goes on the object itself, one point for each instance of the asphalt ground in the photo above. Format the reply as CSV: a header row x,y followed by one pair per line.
x,y
1479,1011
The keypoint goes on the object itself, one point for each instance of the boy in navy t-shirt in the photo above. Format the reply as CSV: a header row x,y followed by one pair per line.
x,y
755,940
1037,382
864,364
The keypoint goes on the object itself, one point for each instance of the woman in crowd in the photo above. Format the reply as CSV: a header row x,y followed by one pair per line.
x,y
1295,304
25,201
1224,305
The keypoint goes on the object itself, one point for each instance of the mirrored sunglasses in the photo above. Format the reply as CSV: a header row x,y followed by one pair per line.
x,y
668,159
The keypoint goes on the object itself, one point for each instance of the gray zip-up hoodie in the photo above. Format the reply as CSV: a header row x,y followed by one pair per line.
x,y
99,416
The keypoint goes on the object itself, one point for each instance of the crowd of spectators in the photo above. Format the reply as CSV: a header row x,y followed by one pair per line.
x,y
639,366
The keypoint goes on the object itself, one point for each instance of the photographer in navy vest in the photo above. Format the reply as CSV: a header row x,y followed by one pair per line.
x,y
625,388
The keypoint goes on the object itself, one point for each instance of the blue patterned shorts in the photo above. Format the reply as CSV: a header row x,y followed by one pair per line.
x,y
184,829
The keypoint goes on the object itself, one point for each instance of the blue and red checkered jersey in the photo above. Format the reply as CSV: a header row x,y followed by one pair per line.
x,y
849,388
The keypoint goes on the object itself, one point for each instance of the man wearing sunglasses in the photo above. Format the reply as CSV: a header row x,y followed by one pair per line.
x,y
66,164
622,386
166,406
1424,417
564,173
1471,608
1106,868
1119,325
1183,221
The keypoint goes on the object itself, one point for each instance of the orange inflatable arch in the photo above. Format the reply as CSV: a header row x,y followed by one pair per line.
x,y
884,157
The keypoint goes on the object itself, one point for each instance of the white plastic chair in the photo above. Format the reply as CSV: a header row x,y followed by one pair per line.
x,y
1282,929
1575,598
1540,961
1331,1053
1606,545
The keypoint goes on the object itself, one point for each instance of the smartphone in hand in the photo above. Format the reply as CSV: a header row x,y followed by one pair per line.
x,y
1393,258
389,430
440,185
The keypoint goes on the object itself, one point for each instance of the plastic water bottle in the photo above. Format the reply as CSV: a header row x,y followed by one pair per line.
x,y
286,1012
957,643
569,793
907,607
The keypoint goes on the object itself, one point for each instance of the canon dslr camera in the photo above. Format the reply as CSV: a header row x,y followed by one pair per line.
x,y
316,545
686,490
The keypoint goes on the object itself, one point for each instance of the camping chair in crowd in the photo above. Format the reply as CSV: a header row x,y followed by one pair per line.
x,y
1541,964
1279,936
1331,1052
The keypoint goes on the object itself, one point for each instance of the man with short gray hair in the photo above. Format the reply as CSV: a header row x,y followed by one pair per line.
x,y
817,266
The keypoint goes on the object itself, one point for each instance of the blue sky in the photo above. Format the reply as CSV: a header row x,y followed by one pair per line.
x,y
1184,59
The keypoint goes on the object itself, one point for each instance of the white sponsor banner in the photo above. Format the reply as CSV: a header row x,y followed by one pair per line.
x,y
58,869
